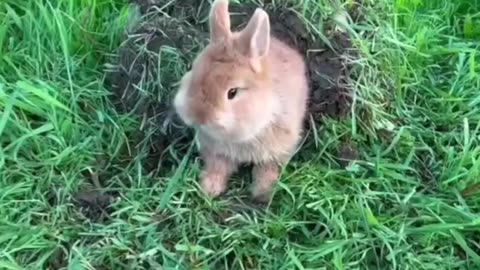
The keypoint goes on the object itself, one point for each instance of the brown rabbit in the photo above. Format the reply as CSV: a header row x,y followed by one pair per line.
x,y
246,96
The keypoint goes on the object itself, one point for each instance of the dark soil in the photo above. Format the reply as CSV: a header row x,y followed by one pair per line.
x,y
347,153
58,259
330,95
94,205
182,25
426,168
471,190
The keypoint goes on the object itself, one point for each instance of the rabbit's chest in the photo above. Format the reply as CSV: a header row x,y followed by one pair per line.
x,y
272,147
256,152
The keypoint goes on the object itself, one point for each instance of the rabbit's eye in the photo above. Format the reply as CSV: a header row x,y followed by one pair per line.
x,y
232,92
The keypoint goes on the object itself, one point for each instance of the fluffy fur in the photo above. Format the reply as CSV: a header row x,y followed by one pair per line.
x,y
262,124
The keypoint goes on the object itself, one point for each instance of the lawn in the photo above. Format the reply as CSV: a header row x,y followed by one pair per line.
x,y
388,176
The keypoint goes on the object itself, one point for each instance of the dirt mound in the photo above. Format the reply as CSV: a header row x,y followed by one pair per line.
x,y
93,204
167,37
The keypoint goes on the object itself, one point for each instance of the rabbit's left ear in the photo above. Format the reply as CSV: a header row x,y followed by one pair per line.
x,y
219,21
255,38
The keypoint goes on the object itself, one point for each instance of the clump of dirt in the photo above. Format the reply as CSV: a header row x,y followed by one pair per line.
x,y
330,94
58,259
167,37
138,68
140,87
471,190
347,153
93,204
426,168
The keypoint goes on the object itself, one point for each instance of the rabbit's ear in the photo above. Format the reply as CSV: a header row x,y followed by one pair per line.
x,y
219,21
255,38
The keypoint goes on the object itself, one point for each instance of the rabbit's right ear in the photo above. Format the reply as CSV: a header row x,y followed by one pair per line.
x,y
219,21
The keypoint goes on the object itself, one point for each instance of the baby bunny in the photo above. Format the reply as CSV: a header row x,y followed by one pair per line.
x,y
246,97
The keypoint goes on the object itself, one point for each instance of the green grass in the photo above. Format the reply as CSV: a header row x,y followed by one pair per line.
x,y
411,202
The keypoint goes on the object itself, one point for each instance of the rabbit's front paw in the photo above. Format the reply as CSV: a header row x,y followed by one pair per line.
x,y
213,184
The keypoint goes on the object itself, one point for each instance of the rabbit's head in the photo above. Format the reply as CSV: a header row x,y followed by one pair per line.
x,y
229,94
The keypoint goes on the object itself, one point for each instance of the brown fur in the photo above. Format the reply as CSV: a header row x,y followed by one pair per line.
x,y
263,123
